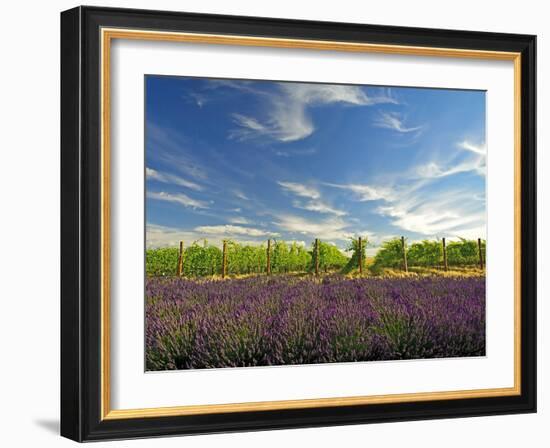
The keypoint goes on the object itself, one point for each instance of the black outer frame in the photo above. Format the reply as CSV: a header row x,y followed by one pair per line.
x,y
80,223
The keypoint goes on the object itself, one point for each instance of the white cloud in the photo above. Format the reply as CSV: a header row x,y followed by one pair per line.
x,y
241,195
163,236
301,190
296,152
250,123
327,229
179,198
365,192
236,84
199,98
434,170
416,204
319,206
469,233
315,204
326,93
375,239
435,213
476,149
288,119
170,147
393,121
171,179
229,229
475,161
239,220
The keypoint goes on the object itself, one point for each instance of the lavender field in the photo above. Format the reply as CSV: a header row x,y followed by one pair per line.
x,y
282,320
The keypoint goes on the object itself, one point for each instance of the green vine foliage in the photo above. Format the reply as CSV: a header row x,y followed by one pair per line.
x,y
161,262
428,253
353,247
390,255
330,257
201,259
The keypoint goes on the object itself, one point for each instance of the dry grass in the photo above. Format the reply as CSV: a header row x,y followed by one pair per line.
x,y
465,271
414,272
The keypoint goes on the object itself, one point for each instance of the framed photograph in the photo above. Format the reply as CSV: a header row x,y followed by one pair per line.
x,y
276,224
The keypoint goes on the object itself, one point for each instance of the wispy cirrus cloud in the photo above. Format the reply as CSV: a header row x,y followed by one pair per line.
x,y
301,190
366,192
436,188
320,207
239,194
419,208
425,202
168,147
395,122
288,119
315,203
178,198
449,213
198,98
171,179
296,152
240,220
472,147
475,161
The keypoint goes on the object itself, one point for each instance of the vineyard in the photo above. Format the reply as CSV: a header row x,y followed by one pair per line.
x,y
284,303
201,259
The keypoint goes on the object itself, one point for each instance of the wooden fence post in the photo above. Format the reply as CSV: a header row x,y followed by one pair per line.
x,y
360,243
316,256
224,259
405,267
268,266
179,269
445,263
480,253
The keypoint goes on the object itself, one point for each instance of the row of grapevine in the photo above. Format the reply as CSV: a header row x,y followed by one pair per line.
x,y
357,260
325,257
247,259
161,262
201,259
395,254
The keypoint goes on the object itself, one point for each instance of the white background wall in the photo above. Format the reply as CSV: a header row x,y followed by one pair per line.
x,y
29,224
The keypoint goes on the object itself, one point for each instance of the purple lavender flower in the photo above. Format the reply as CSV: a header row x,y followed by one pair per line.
x,y
288,320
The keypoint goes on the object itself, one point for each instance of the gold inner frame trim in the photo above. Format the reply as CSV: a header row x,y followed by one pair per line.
x,y
107,35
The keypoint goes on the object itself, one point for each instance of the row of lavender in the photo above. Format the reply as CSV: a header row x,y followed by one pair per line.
x,y
283,320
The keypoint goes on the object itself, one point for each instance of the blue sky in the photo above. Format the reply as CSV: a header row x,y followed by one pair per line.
x,y
251,160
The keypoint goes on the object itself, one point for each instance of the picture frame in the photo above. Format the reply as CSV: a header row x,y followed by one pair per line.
x,y
86,37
